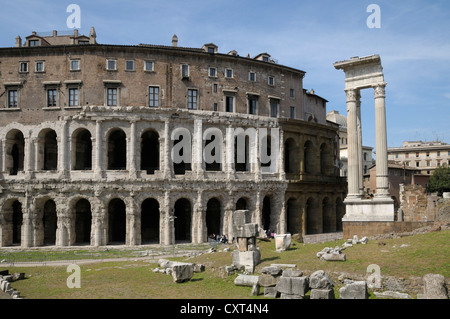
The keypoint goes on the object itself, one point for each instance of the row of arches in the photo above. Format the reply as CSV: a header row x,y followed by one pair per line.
x,y
47,223
297,159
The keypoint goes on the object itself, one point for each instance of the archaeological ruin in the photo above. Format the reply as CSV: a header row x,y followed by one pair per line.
x,y
89,133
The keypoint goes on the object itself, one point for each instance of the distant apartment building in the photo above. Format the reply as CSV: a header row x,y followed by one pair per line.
x,y
424,156
368,161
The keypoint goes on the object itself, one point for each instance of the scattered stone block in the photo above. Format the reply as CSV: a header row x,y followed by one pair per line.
x,y
320,280
292,273
266,280
272,270
434,286
246,280
248,259
199,268
354,290
282,242
322,293
182,272
393,295
333,257
255,290
288,296
293,285
271,292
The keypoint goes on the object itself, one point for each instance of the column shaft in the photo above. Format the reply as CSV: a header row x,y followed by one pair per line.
x,y
381,142
352,133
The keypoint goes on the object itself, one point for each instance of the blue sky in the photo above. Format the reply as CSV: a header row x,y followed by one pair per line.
x,y
413,42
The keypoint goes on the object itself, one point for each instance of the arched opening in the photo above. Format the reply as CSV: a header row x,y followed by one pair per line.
x,y
308,158
241,204
15,152
324,159
17,219
266,212
266,147
213,212
328,215
50,151
83,222
116,221
183,220
290,157
241,153
183,166
340,212
117,150
293,218
49,220
312,217
215,166
150,221
82,150
150,152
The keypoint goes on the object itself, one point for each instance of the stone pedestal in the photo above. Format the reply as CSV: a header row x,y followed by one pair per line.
x,y
377,209
282,242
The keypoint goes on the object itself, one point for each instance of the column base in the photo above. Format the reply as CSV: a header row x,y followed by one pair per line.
x,y
376,209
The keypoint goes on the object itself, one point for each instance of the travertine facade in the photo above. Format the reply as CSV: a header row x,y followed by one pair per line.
x,y
87,133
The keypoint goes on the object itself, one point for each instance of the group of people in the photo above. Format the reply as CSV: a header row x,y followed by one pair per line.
x,y
220,239
270,233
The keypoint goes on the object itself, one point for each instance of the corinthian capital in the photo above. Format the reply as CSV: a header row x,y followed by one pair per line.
x,y
379,90
352,95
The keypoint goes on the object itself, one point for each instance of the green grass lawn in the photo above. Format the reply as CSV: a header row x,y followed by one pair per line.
x,y
402,257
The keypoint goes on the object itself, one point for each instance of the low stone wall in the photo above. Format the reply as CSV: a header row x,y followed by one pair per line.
x,y
376,228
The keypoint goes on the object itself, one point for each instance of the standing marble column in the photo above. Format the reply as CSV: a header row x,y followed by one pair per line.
x,y
360,158
352,134
381,142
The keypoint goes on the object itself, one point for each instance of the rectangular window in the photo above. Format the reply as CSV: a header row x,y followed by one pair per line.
x,y
428,163
292,93
185,71
33,43
129,65
229,73
252,105
111,65
274,108
23,66
153,94
438,153
213,72
215,107
292,113
111,96
192,99
74,65
252,76
148,66
40,66
428,154
215,88
73,97
229,100
12,99
417,164
271,81
51,97
396,155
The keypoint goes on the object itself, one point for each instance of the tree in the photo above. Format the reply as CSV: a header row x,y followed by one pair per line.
x,y
440,180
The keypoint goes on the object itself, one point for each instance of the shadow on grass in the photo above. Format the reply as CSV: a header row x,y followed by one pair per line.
x,y
269,259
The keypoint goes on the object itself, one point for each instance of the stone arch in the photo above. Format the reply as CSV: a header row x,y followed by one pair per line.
x,y
266,213
241,156
48,150
150,221
291,157
213,148
11,218
117,150
82,149
293,216
15,151
49,222
328,216
83,221
183,220
325,159
313,219
308,158
213,217
116,221
17,220
150,148
241,204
